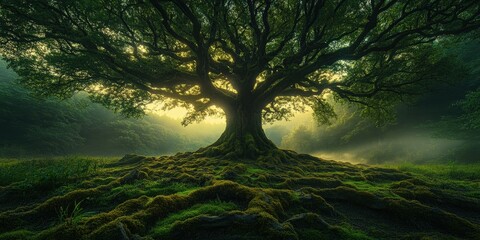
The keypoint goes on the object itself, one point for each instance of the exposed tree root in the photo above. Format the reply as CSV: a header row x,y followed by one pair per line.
x,y
279,196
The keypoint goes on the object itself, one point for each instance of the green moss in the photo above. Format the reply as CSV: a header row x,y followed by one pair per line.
x,y
233,171
295,195
255,170
187,191
217,207
312,234
16,235
380,189
281,195
147,188
62,231
347,232
343,232
311,182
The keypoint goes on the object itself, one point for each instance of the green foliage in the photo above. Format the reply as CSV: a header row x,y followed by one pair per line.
x,y
43,125
425,67
346,124
71,214
419,132
462,125
323,112
463,119
276,55
471,110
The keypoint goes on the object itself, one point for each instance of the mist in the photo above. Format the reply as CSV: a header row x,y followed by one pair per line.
x,y
414,137
403,147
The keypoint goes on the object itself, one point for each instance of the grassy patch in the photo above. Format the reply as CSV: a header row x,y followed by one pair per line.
x,y
45,173
446,171
464,178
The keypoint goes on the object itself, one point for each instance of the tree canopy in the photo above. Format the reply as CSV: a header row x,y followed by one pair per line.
x,y
253,59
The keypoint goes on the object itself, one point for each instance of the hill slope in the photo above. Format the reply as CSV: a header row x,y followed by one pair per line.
x,y
190,197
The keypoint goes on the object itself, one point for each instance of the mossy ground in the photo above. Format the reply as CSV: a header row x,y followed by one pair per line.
x,y
191,197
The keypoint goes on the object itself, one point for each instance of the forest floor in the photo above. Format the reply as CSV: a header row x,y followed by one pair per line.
x,y
189,197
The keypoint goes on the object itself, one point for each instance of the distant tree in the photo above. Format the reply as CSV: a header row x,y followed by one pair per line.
x,y
460,118
251,59
465,124
471,111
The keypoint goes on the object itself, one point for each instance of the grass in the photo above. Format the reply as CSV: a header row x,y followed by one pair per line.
x,y
460,177
451,171
70,214
26,181
45,172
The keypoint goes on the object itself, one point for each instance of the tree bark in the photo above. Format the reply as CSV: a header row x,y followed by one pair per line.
x,y
243,135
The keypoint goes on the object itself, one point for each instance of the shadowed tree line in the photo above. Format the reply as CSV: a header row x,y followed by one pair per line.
x,y
442,125
31,125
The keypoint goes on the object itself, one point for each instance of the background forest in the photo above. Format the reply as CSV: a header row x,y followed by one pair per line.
x,y
36,126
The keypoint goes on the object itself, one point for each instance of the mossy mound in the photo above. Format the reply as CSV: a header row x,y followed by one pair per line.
x,y
283,196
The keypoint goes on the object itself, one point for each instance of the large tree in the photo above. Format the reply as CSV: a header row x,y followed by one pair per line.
x,y
251,59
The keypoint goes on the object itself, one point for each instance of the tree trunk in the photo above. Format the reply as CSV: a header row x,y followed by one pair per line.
x,y
243,135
